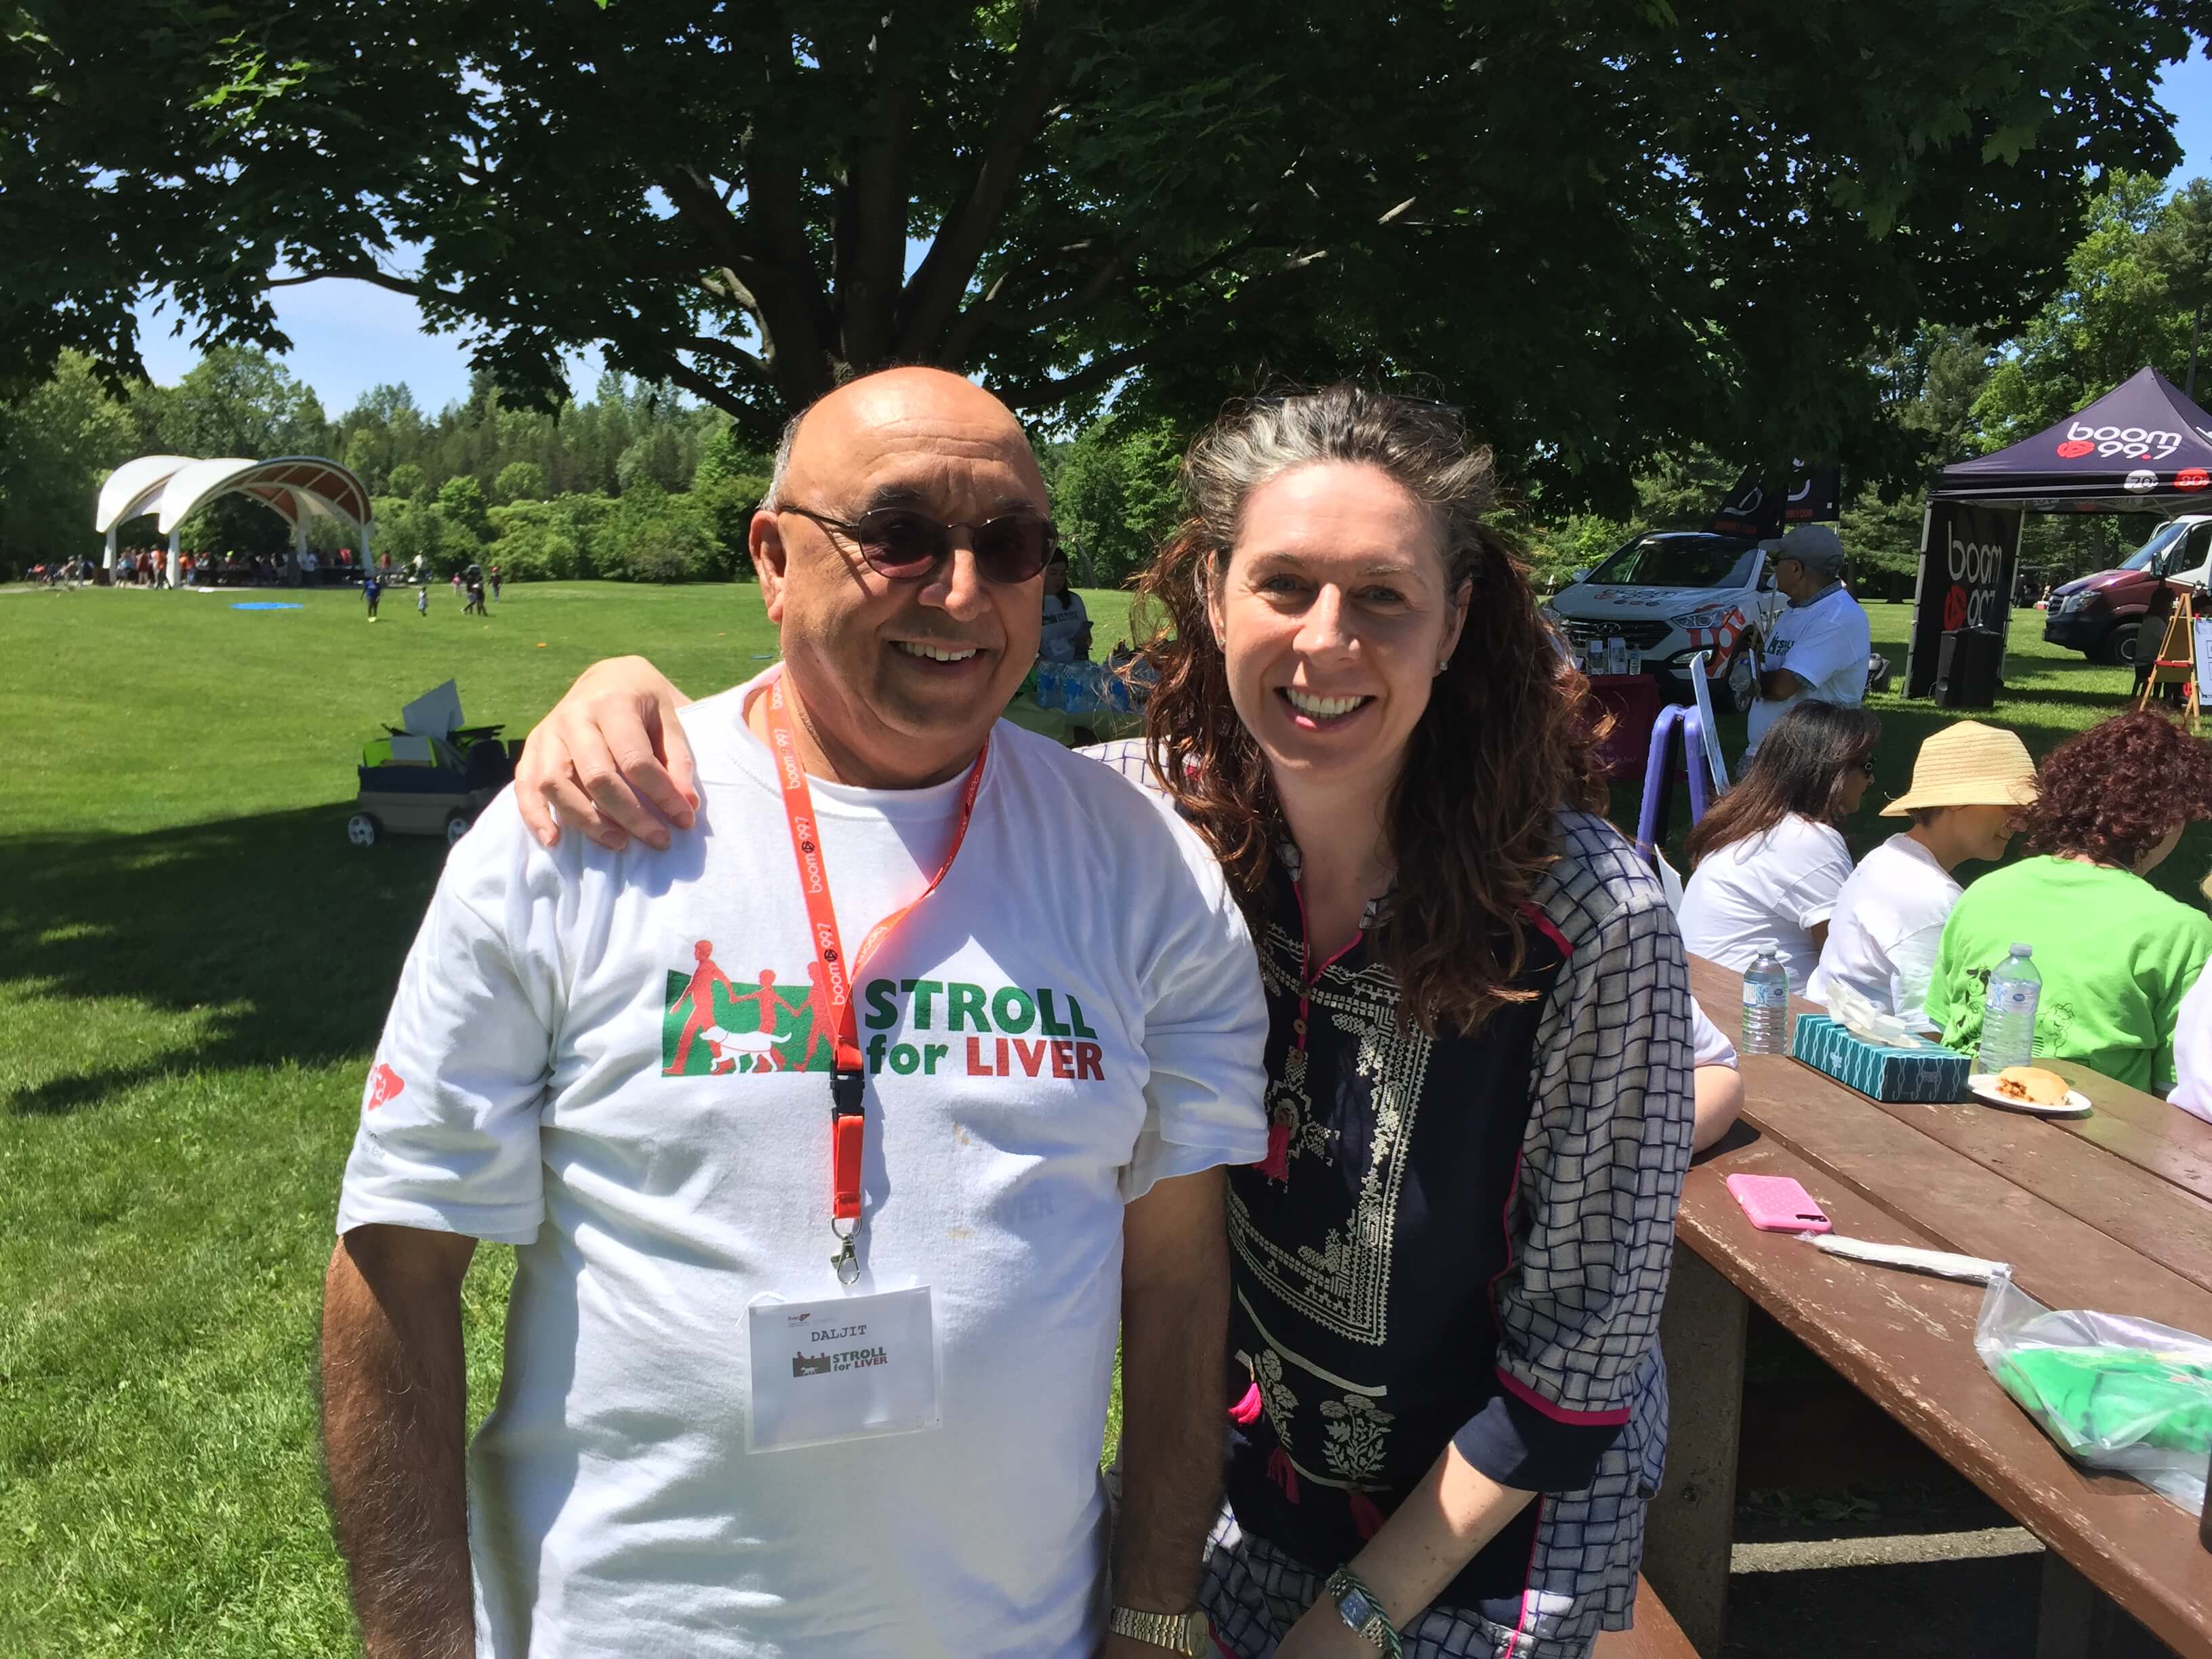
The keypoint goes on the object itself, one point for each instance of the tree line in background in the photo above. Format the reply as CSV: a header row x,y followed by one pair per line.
x,y
640,483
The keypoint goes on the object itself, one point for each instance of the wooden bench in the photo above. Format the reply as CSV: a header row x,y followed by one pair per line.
x,y
2083,1227
1656,1636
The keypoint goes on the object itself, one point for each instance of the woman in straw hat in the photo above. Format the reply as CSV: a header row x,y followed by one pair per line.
x,y
1969,783
2117,955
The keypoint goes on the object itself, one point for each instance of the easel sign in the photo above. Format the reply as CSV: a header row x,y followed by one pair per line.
x,y
2202,626
2182,657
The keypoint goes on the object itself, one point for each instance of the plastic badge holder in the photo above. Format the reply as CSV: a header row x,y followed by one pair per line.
x,y
2115,1392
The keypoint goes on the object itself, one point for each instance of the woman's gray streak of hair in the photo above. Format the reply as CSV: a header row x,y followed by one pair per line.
x,y
1421,447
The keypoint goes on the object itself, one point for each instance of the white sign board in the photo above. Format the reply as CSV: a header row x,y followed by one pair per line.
x,y
436,712
1715,763
2203,659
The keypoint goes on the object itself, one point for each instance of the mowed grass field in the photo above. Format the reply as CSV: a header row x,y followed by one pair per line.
x,y
193,968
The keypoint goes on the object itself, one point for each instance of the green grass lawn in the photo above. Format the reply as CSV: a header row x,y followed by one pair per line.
x,y
193,967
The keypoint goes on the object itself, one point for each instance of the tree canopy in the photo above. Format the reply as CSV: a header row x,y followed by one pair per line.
x,y
1606,229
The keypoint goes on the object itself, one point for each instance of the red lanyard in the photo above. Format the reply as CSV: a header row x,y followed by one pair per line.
x,y
848,1077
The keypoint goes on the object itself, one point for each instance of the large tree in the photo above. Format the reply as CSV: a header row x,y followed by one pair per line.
x,y
1603,226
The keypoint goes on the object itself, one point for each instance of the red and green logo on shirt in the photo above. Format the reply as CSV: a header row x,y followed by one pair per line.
x,y
712,1025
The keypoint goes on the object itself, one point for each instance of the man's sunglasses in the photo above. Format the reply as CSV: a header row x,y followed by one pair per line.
x,y
906,546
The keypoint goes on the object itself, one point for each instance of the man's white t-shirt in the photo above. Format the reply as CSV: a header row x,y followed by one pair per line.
x,y
1774,887
1825,644
1073,1015
1887,921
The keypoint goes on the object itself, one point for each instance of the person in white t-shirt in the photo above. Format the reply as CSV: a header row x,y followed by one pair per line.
x,y
2192,1050
1065,632
1768,860
1715,1084
1819,646
816,1299
1969,782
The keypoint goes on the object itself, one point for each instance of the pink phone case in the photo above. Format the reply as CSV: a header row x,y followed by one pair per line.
x,y
1777,1204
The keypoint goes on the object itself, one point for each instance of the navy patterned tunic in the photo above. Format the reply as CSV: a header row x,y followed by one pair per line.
x,y
1461,1240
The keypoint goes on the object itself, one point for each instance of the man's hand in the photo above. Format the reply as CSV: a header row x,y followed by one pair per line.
x,y
1128,1647
1779,686
609,760
394,1412
1175,1339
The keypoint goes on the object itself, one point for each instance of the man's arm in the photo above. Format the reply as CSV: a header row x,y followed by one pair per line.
x,y
1175,1341
1777,684
394,1398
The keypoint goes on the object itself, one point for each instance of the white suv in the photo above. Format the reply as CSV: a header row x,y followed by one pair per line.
x,y
1671,593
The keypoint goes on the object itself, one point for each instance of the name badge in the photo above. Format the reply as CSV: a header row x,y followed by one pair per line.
x,y
847,1368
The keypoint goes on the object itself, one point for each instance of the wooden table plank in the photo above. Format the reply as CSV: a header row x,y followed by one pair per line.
x,y
1907,1342
2083,1228
2157,1138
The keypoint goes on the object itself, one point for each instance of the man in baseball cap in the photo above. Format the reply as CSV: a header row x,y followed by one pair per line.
x,y
1967,783
1819,646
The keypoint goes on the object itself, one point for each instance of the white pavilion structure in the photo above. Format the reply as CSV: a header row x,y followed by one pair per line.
x,y
173,487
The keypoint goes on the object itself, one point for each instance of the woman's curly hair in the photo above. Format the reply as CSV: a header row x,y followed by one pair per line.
x,y
1508,738
2115,792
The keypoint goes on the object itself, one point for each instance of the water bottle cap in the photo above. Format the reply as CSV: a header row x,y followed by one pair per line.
x,y
2021,951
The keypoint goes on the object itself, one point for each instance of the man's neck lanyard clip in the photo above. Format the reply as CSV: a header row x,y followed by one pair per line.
x,y
848,1076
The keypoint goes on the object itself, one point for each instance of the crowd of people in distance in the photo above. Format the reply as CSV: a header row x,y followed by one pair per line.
x,y
1770,868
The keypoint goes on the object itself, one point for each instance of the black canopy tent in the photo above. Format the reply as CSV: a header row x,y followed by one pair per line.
x,y
2142,447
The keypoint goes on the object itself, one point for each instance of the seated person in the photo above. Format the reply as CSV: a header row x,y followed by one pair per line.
x,y
1767,861
2192,1050
2117,956
1968,782
1717,1087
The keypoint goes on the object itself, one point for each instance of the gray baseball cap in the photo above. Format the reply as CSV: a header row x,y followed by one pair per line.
x,y
1814,546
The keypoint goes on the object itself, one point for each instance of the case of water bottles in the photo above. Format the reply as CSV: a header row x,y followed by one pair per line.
x,y
1613,656
1084,688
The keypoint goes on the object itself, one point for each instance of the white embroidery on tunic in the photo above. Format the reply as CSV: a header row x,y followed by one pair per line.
x,y
1344,1286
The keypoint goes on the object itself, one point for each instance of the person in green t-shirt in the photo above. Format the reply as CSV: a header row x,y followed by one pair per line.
x,y
2117,955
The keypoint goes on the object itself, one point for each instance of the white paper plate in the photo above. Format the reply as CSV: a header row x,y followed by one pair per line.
x,y
1985,1087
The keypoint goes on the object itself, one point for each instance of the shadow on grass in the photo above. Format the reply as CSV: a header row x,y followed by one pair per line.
x,y
292,937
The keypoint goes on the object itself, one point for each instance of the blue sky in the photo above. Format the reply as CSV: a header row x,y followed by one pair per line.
x,y
348,336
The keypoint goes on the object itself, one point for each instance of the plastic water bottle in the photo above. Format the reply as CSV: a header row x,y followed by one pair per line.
x,y
1766,1005
2009,1012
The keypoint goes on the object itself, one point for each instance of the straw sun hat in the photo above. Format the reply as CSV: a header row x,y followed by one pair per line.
x,y
1968,764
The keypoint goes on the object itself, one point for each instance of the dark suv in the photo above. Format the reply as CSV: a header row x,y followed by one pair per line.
x,y
2097,615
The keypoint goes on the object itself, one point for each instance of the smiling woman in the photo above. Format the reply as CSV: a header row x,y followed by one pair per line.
x,y
1476,1058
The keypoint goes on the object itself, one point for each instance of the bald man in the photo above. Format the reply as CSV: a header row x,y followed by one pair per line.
x,y
813,1326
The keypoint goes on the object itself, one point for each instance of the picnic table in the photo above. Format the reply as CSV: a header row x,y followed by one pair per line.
x,y
2113,1211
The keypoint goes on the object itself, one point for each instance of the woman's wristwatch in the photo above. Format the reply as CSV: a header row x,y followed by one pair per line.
x,y
1178,1632
1362,1609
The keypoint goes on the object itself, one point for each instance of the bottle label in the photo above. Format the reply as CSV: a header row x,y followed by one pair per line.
x,y
2014,998
1765,996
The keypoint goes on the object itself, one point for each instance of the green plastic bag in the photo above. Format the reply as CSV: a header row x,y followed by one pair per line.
x,y
2115,1392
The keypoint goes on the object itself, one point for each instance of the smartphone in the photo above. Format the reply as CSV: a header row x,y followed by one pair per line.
x,y
1777,1204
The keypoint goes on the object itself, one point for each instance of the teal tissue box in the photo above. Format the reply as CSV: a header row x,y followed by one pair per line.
x,y
1929,1074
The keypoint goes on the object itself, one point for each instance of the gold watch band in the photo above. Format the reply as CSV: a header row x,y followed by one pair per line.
x,y
1178,1632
